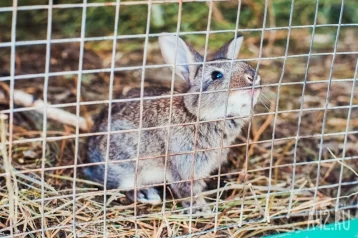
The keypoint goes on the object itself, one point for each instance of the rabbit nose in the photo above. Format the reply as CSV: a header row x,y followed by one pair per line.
x,y
250,78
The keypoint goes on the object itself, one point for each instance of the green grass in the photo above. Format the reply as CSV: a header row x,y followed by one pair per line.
x,y
66,23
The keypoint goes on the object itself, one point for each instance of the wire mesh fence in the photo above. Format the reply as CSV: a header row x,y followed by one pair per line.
x,y
70,71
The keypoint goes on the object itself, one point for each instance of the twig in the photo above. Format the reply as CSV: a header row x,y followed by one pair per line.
x,y
69,219
217,15
342,163
256,200
261,130
27,100
11,183
37,182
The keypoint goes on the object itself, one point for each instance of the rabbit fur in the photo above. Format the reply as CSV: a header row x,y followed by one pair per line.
x,y
180,166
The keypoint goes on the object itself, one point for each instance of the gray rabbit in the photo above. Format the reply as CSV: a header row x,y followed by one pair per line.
x,y
218,75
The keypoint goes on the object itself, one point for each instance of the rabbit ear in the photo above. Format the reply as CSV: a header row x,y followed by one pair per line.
x,y
186,55
231,49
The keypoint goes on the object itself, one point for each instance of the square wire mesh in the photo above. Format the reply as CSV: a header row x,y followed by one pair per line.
x,y
295,162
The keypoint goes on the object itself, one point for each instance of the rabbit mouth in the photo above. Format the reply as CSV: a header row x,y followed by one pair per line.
x,y
252,94
255,91
241,103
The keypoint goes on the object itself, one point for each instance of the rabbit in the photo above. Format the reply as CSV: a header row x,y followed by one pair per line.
x,y
181,164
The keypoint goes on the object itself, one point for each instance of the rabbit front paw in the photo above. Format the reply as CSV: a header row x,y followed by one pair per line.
x,y
146,196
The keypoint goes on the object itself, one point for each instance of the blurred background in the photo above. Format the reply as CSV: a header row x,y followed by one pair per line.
x,y
31,31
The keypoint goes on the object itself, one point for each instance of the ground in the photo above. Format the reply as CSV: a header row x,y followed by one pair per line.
x,y
292,162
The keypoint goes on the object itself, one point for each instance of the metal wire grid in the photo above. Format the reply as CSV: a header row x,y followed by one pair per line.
x,y
326,104
80,72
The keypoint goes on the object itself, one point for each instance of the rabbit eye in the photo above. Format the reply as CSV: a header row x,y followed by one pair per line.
x,y
216,75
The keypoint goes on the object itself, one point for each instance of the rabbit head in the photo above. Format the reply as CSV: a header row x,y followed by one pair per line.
x,y
215,77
